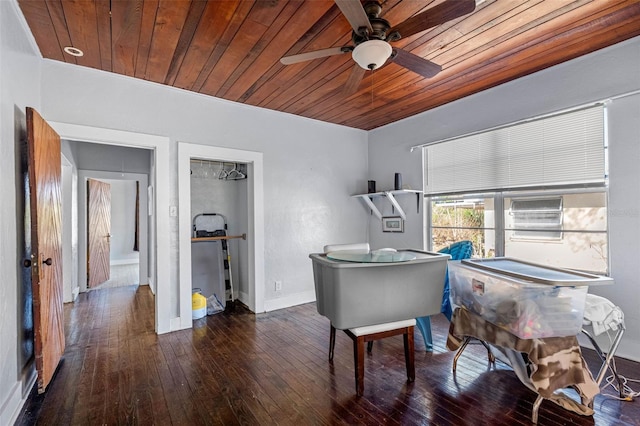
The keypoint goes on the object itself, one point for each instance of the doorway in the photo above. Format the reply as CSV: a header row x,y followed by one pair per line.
x,y
254,297
125,256
167,318
127,234
142,258
219,210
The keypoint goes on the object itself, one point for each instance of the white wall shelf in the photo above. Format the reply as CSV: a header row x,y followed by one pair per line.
x,y
391,196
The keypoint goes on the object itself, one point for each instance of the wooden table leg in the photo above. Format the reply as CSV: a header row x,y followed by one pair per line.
x,y
332,342
409,356
358,358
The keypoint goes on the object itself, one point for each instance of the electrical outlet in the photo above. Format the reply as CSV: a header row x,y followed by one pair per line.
x,y
278,285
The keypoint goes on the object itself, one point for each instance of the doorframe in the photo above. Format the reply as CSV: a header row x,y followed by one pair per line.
x,y
165,316
69,230
255,215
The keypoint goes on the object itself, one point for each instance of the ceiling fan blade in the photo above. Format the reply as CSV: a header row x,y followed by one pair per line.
x,y
355,14
354,80
316,54
415,63
432,17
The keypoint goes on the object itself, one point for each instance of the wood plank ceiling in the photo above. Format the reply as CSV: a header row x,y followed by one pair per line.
x,y
231,49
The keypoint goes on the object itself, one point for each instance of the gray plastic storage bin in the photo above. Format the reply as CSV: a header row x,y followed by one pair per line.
x,y
353,294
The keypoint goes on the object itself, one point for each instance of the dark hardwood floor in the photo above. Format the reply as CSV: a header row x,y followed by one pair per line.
x,y
241,368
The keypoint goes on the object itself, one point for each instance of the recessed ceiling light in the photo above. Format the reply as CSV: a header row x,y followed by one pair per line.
x,y
73,51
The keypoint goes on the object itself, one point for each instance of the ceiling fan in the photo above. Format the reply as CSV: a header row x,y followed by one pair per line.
x,y
372,36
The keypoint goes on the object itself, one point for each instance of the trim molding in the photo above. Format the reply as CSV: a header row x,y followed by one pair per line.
x,y
17,397
290,300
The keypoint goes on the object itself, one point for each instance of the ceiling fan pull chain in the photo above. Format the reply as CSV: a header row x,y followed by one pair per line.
x,y
372,71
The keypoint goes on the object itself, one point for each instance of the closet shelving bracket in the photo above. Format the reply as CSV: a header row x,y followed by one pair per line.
x,y
391,196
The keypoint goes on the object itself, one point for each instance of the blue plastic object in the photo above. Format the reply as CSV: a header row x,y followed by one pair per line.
x,y
458,251
424,325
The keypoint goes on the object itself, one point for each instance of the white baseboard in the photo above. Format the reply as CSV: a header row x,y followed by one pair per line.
x,y
174,324
243,297
181,323
75,293
628,349
12,406
290,300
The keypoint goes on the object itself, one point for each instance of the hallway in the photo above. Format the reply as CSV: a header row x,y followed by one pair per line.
x,y
120,276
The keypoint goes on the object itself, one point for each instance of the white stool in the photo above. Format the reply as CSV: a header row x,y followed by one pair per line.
x,y
360,335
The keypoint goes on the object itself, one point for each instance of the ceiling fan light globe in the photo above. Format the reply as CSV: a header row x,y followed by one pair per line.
x,y
371,54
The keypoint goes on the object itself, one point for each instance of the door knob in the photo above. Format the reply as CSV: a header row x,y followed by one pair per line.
x,y
47,262
26,263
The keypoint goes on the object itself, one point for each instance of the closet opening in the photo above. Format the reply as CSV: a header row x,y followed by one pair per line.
x,y
219,223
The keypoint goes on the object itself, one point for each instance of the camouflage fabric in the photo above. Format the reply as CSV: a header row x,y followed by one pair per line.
x,y
554,362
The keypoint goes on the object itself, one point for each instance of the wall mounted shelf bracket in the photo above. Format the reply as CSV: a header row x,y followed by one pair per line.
x,y
391,196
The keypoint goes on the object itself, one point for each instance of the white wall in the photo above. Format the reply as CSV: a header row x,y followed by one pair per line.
x,y
109,158
240,248
310,168
69,230
598,76
20,69
69,221
624,214
151,225
123,221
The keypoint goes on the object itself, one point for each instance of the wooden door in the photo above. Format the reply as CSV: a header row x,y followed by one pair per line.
x,y
98,232
45,205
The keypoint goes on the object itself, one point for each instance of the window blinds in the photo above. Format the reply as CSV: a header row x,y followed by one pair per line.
x,y
566,149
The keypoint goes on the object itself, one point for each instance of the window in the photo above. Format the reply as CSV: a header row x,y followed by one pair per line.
x,y
462,218
578,238
535,191
537,218
566,230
